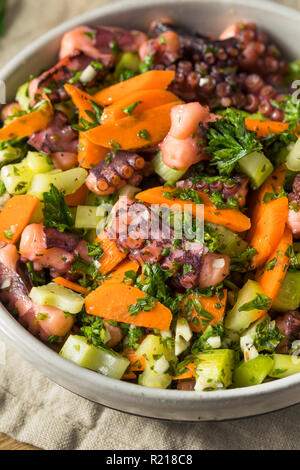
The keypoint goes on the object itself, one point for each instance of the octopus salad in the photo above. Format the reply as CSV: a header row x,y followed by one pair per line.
x,y
105,160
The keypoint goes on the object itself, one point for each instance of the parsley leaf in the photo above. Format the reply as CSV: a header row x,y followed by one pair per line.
x,y
290,107
267,336
229,141
144,304
185,194
260,302
129,110
56,211
95,250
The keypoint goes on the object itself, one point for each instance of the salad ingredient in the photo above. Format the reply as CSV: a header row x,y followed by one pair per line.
x,y
112,256
78,198
229,243
152,80
134,132
232,219
168,174
289,325
129,63
203,311
251,303
183,335
273,274
102,302
293,156
284,366
15,216
126,272
52,322
89,154
70,285
265,128
106,362
10,154
67,181
23,97
288,295
27,124
268,229
136,103
214,369
57,296
86,217
253,372
257,167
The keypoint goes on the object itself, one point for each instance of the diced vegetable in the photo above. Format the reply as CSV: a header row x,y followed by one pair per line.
x,y
265,128
57,296
232,219
183,335
38,162
204,311
257,167
125,272
293,156
253,372
86,217
155,79
67,181
146,129
238,319
128,61
15,216
10,154
152,379
168,174
284,365
230,243
23,97
77,350
112,256
78,198
129,191
288,296
61,281
154,346
214,369
104,302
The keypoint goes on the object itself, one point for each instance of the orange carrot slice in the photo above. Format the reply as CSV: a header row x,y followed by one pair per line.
x,y
118,275
145,99
265,128
137,363
233,219
112,302
129,376
15,216
142,130
81,99
268,230
78,198
146,81
90,154
271,278
28,124
111,256
189,374
213,305
70,285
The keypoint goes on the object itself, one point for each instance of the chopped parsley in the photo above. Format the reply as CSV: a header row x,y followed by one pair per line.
x,y
2,188
95,250
144,304
267,336
260,302
130,109
56,211
144,134
185,194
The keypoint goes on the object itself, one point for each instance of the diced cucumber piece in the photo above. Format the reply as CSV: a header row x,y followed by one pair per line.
x,y
214,369
129,60
238,320
293,156
57,296
23,97
67,181
77,350
230,243
129,191
152,379
38,162
10,154
38,214
86,217
165,172
257,167
288,296
154,346
17,178
284,365
253,372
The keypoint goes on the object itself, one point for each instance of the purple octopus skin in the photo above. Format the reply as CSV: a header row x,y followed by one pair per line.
x,y
289,325
246,71
141,231
63,240
294,196
111,174
237,189
57,137
64,72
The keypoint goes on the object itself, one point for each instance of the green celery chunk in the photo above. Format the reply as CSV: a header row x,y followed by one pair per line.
x,y
77,350
214,369
288,296
230,243
253,372
284,365
57,296
257,167
168,174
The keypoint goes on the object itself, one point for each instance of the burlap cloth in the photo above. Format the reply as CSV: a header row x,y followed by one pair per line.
x,y
36,411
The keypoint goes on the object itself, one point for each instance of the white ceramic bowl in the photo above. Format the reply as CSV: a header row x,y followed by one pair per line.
x,y
208,16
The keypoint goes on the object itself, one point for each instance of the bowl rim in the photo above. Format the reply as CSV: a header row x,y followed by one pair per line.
x,y
11,329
